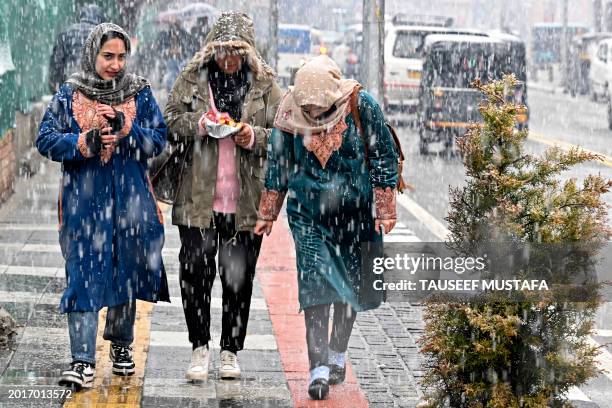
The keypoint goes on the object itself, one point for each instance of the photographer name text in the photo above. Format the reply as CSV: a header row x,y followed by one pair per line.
x,y
462,285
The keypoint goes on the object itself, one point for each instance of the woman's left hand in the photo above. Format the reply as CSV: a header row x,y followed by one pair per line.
x,y
387,225
262,227
243,137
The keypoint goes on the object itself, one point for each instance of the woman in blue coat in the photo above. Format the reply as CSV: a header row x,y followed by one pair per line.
x,y
338,199
102,125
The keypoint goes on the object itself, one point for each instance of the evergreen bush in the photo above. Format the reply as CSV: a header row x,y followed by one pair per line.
x,y
526,351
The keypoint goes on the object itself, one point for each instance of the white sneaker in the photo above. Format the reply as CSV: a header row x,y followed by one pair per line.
x,y
198,368
228,366
79,375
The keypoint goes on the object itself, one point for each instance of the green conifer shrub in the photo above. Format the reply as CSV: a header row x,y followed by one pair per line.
x,y
525,351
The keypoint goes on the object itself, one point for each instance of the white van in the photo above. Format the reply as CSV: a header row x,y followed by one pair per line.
x,y
404,62
600,74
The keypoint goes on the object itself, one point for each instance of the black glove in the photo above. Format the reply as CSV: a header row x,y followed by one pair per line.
x,y
93,140
118,122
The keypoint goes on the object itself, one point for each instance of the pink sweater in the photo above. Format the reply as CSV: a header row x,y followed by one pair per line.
x,y
227,188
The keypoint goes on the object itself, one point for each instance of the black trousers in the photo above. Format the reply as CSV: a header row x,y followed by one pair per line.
x,y
238,252
317,330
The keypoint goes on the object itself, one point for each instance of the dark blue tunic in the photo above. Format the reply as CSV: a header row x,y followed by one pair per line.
x,y
111,234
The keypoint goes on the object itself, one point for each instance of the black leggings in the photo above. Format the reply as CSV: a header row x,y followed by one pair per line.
x,y
238,252
317,329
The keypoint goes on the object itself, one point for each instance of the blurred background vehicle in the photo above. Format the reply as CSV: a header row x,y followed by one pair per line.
x,y
513,60
600,74
294,48
323,42
447,101
403,53
583,51
546,41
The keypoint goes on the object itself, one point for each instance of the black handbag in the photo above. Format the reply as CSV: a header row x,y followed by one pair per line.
x,y
166,171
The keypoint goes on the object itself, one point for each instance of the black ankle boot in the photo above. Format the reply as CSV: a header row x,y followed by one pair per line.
x,y
336,374
318,389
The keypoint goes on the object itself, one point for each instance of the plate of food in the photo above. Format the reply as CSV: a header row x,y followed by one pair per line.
x,y
220,125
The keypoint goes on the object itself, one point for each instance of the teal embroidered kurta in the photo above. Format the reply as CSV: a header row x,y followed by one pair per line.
x,y
330,208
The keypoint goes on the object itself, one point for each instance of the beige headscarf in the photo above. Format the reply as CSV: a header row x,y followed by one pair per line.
x,y
319,82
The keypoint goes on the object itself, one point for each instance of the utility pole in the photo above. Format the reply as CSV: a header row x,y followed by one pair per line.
x,y
373,63
502,16
607,16
597,26
564,47
273,35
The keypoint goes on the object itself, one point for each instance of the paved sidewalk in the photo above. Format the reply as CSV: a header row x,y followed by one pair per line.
x,y
274,362
263,382
31,283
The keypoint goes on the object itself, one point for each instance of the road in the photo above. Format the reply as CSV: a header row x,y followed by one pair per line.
x,y
573,120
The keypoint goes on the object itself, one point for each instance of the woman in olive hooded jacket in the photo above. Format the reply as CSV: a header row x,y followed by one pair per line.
x,y
221,181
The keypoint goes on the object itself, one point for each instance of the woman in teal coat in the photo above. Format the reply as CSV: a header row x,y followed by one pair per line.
x,y
337,201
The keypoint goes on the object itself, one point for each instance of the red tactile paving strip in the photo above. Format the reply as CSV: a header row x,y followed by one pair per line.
x,y
276,271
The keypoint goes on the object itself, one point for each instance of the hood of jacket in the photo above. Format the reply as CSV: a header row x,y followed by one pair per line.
x,y
232,33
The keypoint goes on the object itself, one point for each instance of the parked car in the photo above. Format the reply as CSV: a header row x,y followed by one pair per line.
x,y
403,53
447,101
583,52
600,74
294,48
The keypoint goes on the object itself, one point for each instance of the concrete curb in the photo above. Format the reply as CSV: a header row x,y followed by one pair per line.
x,y
544,88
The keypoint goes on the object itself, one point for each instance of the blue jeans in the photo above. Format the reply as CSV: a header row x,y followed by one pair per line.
x,y
83,330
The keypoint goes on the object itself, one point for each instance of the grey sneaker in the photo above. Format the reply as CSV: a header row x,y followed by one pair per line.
x,y
198,368
228,366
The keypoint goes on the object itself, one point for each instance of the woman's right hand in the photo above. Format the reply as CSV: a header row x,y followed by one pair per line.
x,y
263,226
106,110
